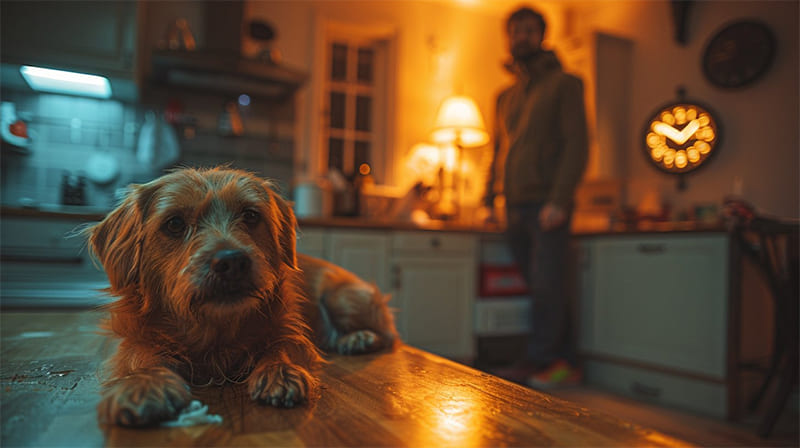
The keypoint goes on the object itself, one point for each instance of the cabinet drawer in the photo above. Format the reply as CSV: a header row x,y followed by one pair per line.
x,y
433,242
705,397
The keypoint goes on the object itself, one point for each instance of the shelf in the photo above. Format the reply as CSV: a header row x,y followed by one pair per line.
x,y
225,73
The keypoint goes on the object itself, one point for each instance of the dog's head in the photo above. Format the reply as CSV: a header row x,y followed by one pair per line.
x,y
219,239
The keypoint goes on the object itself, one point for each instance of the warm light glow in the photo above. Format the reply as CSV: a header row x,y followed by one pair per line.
x,y
60,81
704,119
449,157
680,159
364,169
680,115
455,417
424,159
703,147
669,156
706,134
668,118
693,154
460,121
654,140
691,114
658,153
679,137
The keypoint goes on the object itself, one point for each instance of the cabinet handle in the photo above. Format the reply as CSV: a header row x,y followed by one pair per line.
x,y
651,249
397,277
645,391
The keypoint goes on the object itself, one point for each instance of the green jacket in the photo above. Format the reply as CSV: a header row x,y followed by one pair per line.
x,y
540,136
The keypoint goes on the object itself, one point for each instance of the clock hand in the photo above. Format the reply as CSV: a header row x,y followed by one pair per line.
x,y
689,130
668,131
679,137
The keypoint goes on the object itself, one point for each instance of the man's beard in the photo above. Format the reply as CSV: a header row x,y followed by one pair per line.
x,y
524,52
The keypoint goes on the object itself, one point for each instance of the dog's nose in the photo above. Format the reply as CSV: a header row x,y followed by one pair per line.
x,y
230,264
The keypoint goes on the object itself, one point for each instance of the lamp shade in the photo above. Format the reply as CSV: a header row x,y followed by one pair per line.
x,y
459,121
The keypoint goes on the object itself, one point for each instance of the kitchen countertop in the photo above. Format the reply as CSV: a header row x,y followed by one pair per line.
x,y
96,214
406,397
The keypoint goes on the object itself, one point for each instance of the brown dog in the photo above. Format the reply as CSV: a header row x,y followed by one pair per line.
x,y
204,264
348,315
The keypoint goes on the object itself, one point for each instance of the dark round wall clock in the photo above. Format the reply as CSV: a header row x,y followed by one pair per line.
x,y
738,54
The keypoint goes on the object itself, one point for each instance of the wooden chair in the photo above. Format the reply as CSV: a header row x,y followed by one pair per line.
x,y
772,244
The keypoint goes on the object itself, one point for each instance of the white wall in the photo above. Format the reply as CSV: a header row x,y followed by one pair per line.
x,y
760,122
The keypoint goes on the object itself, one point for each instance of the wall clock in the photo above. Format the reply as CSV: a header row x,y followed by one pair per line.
x,y
738,54
680,137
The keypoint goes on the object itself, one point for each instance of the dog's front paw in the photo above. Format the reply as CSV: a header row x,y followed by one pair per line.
x,y
280,385
361,341
143,398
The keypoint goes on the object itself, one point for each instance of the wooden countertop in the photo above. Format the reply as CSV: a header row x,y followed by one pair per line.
x,y
88,215
408,397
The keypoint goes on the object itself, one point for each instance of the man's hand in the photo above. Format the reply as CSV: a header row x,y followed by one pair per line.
x,y
487,215
551,216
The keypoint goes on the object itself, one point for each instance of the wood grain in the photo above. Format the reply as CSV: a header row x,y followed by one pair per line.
x,y
50,376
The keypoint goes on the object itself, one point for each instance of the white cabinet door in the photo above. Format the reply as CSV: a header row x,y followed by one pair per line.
x,y
434,298
660,300
362,252
311,242
433,287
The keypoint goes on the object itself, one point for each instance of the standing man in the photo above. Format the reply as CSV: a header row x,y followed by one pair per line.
x,y
540,133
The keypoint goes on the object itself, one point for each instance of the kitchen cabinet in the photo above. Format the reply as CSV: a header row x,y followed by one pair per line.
x,y
362,252
433,287
430,275
44,263
654,317
85,36
311,242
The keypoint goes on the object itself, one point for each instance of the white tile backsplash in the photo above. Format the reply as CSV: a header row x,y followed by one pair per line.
x,y
67,131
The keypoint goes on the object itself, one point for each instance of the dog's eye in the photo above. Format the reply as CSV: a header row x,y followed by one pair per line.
x,y
250,217
175,225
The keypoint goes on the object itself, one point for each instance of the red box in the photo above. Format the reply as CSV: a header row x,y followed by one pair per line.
x,y
499,281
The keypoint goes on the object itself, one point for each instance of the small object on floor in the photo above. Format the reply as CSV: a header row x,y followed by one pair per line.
x,y
559,374
194,414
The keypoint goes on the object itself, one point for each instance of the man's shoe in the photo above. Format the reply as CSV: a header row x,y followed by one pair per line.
x,y
517,372
559,374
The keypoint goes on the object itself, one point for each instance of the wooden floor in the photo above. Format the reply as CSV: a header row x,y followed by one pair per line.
x,y
697,430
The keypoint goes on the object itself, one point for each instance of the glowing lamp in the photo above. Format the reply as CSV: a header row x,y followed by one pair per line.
x,y
459,124
459,121
60,81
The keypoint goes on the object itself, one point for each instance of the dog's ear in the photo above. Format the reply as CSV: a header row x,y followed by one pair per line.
x,y
117,240
285,224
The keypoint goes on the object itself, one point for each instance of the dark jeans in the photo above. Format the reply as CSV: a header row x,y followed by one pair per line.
x,y
541,257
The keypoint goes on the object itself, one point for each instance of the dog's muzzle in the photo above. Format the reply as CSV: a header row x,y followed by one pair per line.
x,y
229,276
231,265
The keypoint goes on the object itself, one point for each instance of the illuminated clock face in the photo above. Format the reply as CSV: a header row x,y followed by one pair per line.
x,y
680,137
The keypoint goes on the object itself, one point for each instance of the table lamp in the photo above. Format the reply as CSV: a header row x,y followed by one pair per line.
x,y
459,125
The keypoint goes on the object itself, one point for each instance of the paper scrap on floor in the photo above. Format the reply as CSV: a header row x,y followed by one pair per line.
x,y
194,414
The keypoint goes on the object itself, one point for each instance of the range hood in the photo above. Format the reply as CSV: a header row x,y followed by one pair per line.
x,y
217,64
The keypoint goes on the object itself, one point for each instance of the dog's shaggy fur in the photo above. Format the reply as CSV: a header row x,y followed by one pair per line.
x,y
210,291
